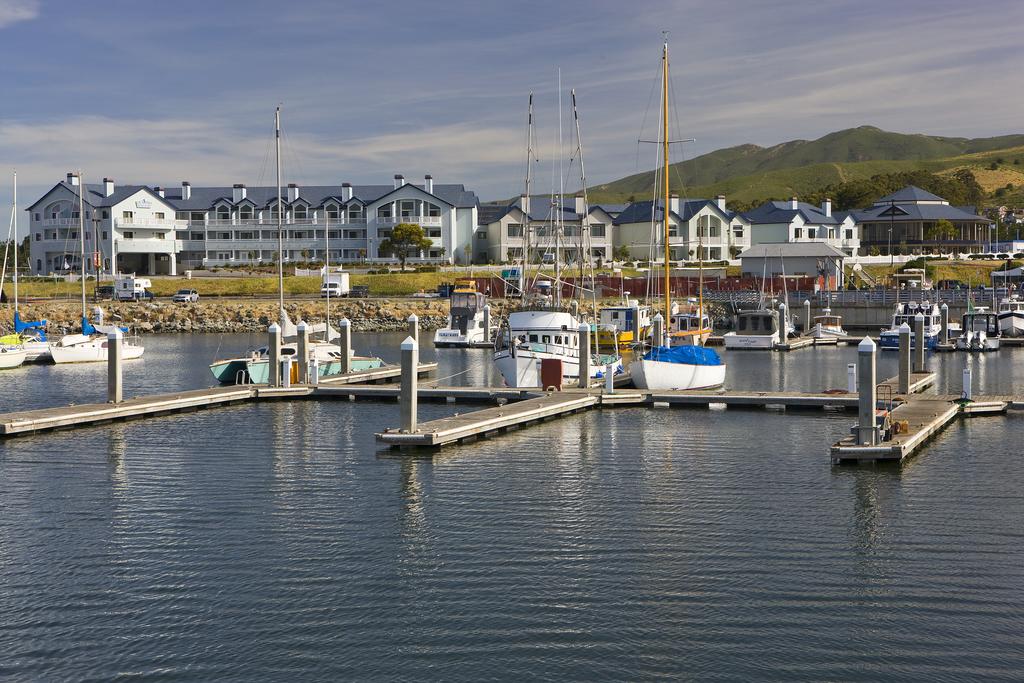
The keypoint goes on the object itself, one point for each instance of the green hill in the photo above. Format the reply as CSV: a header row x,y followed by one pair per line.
x,y
747,174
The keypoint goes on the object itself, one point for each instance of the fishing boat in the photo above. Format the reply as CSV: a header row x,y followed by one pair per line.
x,y
691,327
664,366
1011,317
979,331
324,354
542,338
760,329
906,313
90,345
624,324
466,319
826,325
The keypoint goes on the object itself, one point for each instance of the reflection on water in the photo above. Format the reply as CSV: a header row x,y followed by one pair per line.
x,y
277,541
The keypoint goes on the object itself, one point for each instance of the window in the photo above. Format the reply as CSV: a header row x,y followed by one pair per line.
x,y
384,211
811,232
434,232
198,217
598,230
407,208
737,231
38,237
515,229
127,216
74,214
245,213
299,212
129,235
533,337
37,216
558,339
849,234
159,215
481,235
356,211
193,236
223,213
546,339
798,233
104,234
332,212
433,211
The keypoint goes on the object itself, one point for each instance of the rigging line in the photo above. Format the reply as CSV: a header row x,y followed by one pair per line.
x,y
643,122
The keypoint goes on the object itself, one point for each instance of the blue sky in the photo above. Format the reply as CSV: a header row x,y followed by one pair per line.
x,y
183,90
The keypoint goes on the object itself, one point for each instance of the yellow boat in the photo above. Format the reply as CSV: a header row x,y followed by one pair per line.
x,y
623,324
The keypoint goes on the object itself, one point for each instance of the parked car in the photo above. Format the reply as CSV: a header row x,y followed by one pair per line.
x,y
104,292
186,296
360,291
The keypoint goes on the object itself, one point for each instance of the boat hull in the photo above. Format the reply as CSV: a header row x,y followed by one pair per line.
x,y
450,338
37,352
890,341
257,371
91,351
523,369
11,357
820,331
757,342
664,376
1011,323
977,345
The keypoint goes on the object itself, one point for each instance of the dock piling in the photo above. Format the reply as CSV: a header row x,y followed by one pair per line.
x,y
968,392
487,322
867,433
303,351
274,354
807,316
345,345
783,332
408,394
903,377
314,371
851,378
286,372
584,350
414,328
919,343
944,324
609,378
658,331
115,386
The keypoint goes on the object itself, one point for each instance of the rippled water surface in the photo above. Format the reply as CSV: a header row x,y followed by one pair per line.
x,y
277,542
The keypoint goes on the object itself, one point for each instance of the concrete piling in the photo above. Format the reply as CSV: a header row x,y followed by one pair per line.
x,y
944,324
807,316
919,343
286,371
303,351
968,391
487,322
782,323
345,345
115,387
903,377
407,397
609,378
414,328
867,434
657,331
274,354
851,378
584,349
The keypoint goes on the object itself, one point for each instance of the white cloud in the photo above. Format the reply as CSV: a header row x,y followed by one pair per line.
x,y
13,11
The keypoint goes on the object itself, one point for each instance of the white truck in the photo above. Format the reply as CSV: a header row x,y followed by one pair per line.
x,y
334,285
131,288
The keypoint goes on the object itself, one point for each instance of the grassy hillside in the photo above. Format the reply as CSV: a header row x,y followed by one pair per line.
x,y
749,173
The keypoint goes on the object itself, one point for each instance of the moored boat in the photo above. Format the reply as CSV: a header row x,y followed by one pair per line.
x,y
1011,317
907,312
466,320
979,331
826,325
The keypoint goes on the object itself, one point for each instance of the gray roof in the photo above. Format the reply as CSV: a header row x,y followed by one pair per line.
x,y
910,193
93,195
791,250
640,212
205,197
783,212
489,213
916,212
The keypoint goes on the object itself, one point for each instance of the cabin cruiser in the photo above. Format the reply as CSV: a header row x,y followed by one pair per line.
x,y
758,329
827,326
906,313
467,324
624,324
1011,317
980,331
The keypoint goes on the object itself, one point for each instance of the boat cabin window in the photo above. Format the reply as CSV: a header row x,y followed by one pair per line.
x,y
286,351
546,339
533,337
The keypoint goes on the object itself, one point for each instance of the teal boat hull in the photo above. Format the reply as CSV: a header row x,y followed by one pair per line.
x,y
247,371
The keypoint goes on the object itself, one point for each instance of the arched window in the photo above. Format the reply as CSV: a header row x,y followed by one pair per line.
x,y
245,212
223,212
332,212
355,211
299,211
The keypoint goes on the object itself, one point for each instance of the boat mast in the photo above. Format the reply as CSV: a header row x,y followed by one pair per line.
x,y
558,208
280,218
665,205
327,271
15,241
81,235
526,220
585,243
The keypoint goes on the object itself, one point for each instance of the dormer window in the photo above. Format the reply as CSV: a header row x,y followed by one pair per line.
x,y
355,211
332,212
299,211
223,213
245,213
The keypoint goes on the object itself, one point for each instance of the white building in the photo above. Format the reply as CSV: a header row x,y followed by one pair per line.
x,y
695,223
795,221
159,231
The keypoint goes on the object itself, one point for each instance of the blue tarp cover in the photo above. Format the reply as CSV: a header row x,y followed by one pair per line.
x,y
689,355
20,326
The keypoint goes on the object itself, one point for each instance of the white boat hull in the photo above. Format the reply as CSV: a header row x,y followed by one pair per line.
x,y
450,337
37,351
820,331
664,376
523,369
11,357
90,350
1011,323
977,343
764,342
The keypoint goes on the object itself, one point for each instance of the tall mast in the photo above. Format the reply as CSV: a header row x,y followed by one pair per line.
x,y
664,206
561,193
15,241
526,221
327,271
585,243
81,235
280,217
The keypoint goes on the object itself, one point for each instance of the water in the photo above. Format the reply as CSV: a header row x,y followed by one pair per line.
x,y
277,542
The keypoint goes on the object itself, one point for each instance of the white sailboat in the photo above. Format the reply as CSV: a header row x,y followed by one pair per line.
x,y
12,349
30,336
544,333
665,367
89,346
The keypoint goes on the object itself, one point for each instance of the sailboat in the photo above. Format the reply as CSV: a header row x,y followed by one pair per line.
x,y
544,332
89,346
31,336
254,368
665,366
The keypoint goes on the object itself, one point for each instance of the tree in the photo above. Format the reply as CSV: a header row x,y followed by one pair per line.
x,y
468,251
621,253
407,239
941,230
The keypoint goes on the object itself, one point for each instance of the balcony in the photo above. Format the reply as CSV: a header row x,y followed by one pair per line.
x,y
270,221
60,222
148,246
149,223
419,220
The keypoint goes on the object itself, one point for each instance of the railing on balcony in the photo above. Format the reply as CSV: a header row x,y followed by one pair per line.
x,y
150,223
145,246
53,222
270,221
419,220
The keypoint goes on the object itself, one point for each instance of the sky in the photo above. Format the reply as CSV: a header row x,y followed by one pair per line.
x,y
157,93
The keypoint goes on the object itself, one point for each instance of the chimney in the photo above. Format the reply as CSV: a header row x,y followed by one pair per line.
x,y
673,203
399,180
524,203
720,201
579,204
826,207
346,191
108,187
794,203
237,192
73,179
186,189
428,183
293,192
159,191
